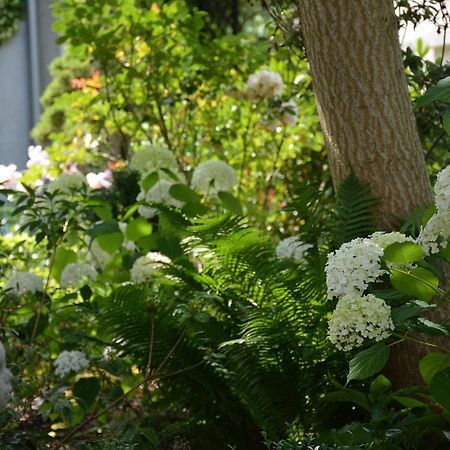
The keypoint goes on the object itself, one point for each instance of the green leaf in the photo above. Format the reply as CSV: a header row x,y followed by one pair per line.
x,y
409,402
110,242
368,362
446,122
194,209
417,282
381,385
427,326
101,208
403,253
105,227
230,202
86,390
440,387
137,229
408,310
149,181
62,258
441,92
348,395
184,193
433,363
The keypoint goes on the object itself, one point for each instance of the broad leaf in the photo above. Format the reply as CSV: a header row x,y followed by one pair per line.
x,y
417,282
433,363
137,229
62,258
403,253
230,202
440,387
110,242
105,227
441,92
86,390
184,193
149,181
368,362
408,310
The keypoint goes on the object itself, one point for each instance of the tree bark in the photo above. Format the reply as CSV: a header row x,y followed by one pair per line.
x,y
363,102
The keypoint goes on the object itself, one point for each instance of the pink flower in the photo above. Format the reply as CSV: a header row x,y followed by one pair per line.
x,y
37,156
9,177
99,180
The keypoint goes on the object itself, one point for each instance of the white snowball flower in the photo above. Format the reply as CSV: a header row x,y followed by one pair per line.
x,y
37,156
70,361
159,193
21,282
384,240
99,180
66,182
352,267
263,84
442,191
146,267
213,176
358,318
435,234
154,158
77,275
292,248
5,379
9,177
289,113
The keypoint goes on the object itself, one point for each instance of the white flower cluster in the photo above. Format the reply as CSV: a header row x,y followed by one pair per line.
x,y
101,180
21,282
146,267
37,157
435,234
76,275
70,361
159,193
263,84
66,182
357,318
292,248
353,266
384,240
213,176
5,379
9,177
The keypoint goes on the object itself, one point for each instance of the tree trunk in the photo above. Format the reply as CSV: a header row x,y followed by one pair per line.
x,y
363,102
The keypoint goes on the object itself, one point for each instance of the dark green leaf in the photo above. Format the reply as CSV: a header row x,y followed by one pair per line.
x,y
441,92
86,390
184,193
368,362
106,227
440,388
230,202
433,363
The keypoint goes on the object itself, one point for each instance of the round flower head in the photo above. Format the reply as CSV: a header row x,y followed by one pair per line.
x,y
159,193
289,113
101,180
384,240
9,177
21,282
352,267
70,361
263,84
435,234
358,318
67,182
77,275
292,248
442,191
146,267
5,379
154,158
213,176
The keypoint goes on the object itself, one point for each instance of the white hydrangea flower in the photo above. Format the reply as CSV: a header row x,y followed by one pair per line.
x,y
21,282
101,180
435,234
154,158
289,113
358,318
442,191
70,361
263,84
384,240
213,176
159,193
76,275
146,267
353,266
292,248
66,182
5,379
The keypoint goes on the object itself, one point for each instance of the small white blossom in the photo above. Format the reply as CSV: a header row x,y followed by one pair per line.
x,y
159,193
442,191
5,379
77,275
146,267
66,182
99,180
9,177
154,158
213,176
353,266
289,113
70,361
357,318
292,248
37,157
263,84
384,240
21,282
435,234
